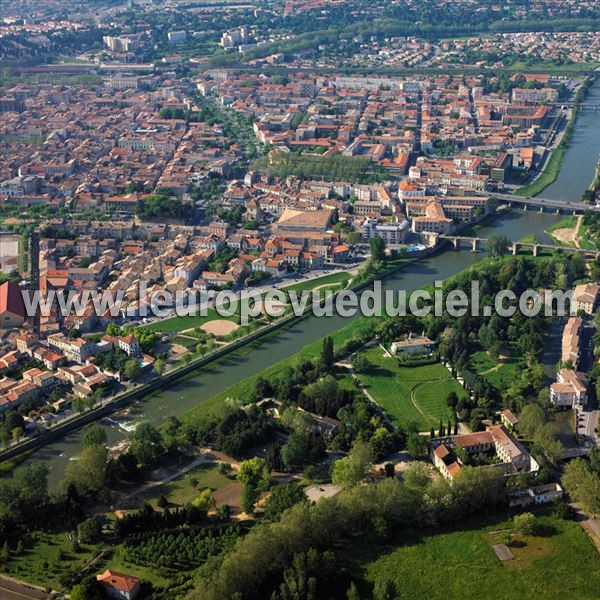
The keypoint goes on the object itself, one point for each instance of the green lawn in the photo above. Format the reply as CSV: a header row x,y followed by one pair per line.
x,y
566,223
562,563
410,394
177,324
430,397
498,373
549,66
345,380
186,488
187,342
48,557
548,176
481,362
331,281
585,241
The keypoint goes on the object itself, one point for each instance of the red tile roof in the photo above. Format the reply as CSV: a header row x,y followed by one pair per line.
x,y
11,299
120,581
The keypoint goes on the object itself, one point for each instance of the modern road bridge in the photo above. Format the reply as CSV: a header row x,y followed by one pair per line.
x,y
544,204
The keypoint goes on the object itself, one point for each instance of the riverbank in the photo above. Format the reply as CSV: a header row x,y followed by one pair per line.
x,y
590,195
192,368
198,389
554,163
566,232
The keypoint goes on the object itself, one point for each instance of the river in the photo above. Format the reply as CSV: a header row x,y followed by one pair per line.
x,y
581,157
576,174
215,378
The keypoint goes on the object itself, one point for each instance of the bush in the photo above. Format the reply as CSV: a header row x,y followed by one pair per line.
x,y
224,468
526,523
90,530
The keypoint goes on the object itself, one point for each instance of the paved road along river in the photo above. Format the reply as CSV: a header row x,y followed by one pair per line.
x,y
576,174
214,379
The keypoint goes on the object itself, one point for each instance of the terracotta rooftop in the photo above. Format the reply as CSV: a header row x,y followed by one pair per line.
x,y
120,581
11,299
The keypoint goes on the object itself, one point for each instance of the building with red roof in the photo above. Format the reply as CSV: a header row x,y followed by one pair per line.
x,y
12,307
119,585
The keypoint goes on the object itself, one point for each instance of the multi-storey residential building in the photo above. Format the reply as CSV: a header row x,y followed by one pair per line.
x,y
130,345
570,389
177,37
393,232
571,341
546,94
430,218
77,350
586,297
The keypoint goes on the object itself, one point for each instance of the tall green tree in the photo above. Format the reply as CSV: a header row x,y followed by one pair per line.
x,y
88,473
96,436
497,245
327,353
352,469
377,246
146,444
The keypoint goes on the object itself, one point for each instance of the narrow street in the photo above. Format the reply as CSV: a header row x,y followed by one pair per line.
x,y
590,525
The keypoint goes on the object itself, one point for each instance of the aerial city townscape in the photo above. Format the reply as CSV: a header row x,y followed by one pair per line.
x,y
300,300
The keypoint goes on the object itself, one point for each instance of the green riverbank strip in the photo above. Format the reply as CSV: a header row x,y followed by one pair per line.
x,y
238,347
554,163
331,281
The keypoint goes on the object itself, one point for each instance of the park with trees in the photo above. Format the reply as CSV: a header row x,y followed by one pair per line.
x,y
192,538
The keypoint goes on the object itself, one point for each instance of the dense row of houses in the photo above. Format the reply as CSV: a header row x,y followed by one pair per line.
x,y
571,387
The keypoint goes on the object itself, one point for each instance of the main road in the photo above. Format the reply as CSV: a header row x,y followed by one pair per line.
x,y
542,202
213,379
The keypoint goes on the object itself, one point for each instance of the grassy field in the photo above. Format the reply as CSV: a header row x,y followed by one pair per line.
x,y
410,394
332,281
498,373
186,488
177,324
48,556
187,342
561,563
566,223
549,66
530,238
